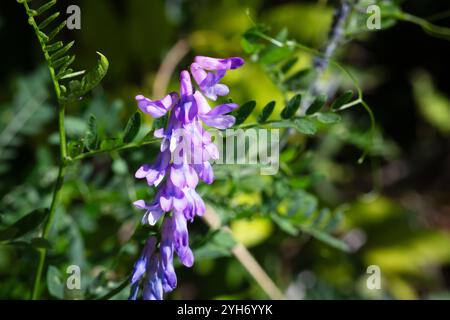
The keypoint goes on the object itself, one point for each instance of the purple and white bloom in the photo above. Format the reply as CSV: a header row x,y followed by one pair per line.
x,y
186,151
156,172
209,81
216,117
153,211
157,108
209,63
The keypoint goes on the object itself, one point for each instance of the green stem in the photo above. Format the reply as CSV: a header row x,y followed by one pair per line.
x,y
115,148
46,231
116,290
436,31
62,155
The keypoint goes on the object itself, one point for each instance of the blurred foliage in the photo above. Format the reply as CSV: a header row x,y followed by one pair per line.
x,y
434,105
314,227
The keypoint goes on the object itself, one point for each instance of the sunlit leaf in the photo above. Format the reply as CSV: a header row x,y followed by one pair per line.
x,y
328,117
305,126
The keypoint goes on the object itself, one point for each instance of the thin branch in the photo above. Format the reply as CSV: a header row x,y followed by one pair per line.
x,y
115,148
246,259
167,68
335,37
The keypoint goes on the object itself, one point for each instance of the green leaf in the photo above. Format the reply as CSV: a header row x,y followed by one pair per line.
x,y
160,122
132,128
59,62
285,224
219,245
325,237
433,104
225,239
243,112
343,99
274,55
43,36
302,214
90,140
283,124
288,64
317,104
55,282
291,107
250,40
282,36
55,31
63,69
54,46
49,20
45,7
62,51
266,112
305,126
110,143
90,80
69,74
247,46
24,225
8,233
300,80
75,147
328,117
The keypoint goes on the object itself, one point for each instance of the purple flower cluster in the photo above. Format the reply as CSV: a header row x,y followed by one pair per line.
x,y
186,149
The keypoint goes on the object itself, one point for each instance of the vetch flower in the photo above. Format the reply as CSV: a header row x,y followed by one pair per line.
x,y
216,117
209,63
156,172
153,211
209,81
186,149
157,108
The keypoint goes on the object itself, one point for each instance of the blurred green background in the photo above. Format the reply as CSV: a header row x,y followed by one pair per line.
x,y
395,206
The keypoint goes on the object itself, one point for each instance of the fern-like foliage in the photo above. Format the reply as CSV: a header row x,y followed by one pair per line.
x,y
26,115
57,54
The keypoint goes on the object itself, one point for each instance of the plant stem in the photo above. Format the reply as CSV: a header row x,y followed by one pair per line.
x,y
436,31
246,259
62,156
321,61
168,66
46,231
115,148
